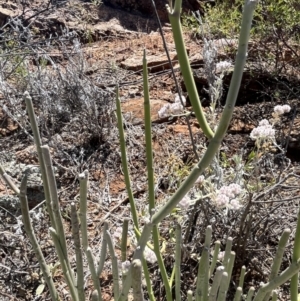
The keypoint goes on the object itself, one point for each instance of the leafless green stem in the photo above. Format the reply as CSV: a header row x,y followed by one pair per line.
x,y
137,290
78,252
35,245
38,144
114,260
178,263
64,266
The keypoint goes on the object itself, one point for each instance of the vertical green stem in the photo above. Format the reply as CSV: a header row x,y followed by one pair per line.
x,y
174,16
35,245
83,181
64,266
55,205
78,252
178,262
203,269
38,144
278,257
150,171
295,258
125,162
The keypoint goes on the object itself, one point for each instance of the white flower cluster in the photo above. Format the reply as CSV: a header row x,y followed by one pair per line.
x,y
223,66
184,203
226,197
124,266
175,108
200,180
264,130
280,110
118,233
149,255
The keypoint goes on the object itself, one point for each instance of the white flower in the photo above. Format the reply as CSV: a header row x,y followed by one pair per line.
x,y
236,189
280,110
184,203
222,200
164,111
286,108
223,66
234,204
176,108
226,191
118,233
264,122
221,255
177,99
200,180
226,196
124,266
264,130
149,255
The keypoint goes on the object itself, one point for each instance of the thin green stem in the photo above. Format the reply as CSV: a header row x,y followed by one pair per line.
x,y
178,262
278,257
295,258
35,245
38,144
78,252
125,162
150,173
174,16
64,266
203,269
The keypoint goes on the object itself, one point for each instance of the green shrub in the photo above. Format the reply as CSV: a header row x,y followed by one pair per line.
x,y
282,16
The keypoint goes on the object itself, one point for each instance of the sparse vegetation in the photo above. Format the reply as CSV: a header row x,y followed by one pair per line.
x,y
237,211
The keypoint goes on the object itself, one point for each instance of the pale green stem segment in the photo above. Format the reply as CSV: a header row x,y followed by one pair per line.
x,y
203,269
124,244
124,240
137,290
103,250
83,181
250,293
223,287
238,294
114,260
279,280
242,276
55,205
230,267
215,257
150,173
295,258
95,295
274,295
178,262
278,257
78,252
131,198
9,181
174,16
227,253
213,293
35,245
125,162
64,266
138,254
92,267
38,143
189,295
221,130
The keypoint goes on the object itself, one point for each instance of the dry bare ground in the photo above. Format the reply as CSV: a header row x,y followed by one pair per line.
x,y
70,60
